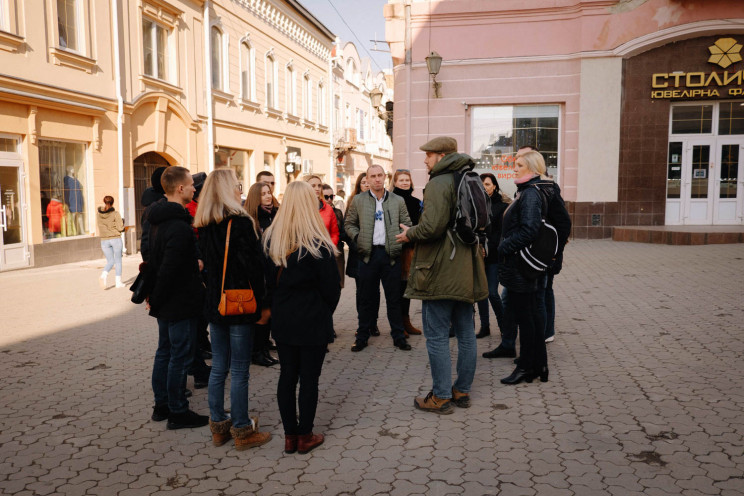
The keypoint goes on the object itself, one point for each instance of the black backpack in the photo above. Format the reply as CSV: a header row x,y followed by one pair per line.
x,y
535,259
473,209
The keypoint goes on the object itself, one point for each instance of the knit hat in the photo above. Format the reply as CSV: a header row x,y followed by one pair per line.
x,y
199,179
155,180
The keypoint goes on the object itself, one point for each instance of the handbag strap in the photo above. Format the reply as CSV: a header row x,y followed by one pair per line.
x,y
227,247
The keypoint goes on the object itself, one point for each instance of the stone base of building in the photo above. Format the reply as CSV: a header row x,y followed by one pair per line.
x,y
69,250
680,235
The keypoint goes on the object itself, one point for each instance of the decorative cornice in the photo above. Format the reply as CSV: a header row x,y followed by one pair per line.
x,y
271,15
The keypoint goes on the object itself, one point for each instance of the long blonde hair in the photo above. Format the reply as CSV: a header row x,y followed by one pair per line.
x,y
535,163
217,199
297,226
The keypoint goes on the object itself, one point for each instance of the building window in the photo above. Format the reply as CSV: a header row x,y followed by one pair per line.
x,y
336,112
271,77
321,105
692,119
360,124
307,94
69,13
216,58
731,118
155,47
497,132
64,188
247,72
291,90
236,160
4,14
347,116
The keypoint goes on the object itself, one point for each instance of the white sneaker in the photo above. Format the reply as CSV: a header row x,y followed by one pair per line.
x,y
120,284
550,339
102,280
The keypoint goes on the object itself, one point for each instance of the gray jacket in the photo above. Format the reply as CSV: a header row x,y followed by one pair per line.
x,y
360,223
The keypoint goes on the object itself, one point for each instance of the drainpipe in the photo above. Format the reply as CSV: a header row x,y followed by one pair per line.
x,y
329,123
208,87
116,32
409,74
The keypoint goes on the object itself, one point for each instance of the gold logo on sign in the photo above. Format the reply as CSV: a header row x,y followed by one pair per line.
x,y
725,52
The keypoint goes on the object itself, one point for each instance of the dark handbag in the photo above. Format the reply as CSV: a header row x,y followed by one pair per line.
x,y
234,301
143,284
539,256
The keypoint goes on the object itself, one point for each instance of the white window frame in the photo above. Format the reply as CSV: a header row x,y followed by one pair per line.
x,y
169,51
247,64
79,33
272,95
218,71
307,95
322,111
291,91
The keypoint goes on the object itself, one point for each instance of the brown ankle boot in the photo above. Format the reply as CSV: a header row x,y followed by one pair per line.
x,y
248,437
220,431
409,327
290,443
308,442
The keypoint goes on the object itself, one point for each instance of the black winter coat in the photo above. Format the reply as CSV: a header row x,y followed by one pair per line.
x,y
149,196
559,218
178,292
304,299
413,204
265,218
343,237
245,266
521,224
498,206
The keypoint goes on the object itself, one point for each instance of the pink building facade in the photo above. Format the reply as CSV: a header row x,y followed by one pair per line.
x,y
637,106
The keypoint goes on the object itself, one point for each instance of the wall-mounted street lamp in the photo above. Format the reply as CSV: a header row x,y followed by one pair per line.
x,y
433,64
375,97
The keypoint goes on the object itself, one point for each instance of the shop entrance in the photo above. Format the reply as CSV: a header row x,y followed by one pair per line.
x,y
705,174
13,245
144,166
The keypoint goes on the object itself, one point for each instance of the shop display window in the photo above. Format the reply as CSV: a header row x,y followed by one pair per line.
x,y
64,189
692,119
499,130
235,159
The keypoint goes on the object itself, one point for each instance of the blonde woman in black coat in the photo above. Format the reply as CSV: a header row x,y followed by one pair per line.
x,y
305,289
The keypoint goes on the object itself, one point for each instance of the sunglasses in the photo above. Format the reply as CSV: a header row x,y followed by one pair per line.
x,y
329,197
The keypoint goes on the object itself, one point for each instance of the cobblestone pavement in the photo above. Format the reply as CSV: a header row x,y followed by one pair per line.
x,y
646,395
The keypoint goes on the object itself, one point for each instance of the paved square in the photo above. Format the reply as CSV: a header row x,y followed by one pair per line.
x,y
646,395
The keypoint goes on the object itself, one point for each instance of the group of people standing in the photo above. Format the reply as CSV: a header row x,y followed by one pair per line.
x,y
291,257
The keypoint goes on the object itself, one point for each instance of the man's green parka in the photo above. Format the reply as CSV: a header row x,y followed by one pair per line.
x,y
434,276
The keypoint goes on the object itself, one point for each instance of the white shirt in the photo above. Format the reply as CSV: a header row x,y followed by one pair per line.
x,y
378,236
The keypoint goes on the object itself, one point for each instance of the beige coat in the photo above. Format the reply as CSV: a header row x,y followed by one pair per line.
x,y
110,224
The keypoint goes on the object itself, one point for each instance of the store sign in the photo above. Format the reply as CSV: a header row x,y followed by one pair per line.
x,y
675,85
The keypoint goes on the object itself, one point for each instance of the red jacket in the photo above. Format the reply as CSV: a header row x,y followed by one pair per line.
x,y
329,219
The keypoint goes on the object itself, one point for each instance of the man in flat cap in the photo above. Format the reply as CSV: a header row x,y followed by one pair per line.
x,y
448,286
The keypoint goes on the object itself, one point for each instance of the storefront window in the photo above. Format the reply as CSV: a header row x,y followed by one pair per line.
x,y
499,131
64,188
692,119
731,118
8,145
235,159
674,169
729,170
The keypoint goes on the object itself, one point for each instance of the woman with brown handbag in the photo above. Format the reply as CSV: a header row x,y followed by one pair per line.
x,y
233,304
305,290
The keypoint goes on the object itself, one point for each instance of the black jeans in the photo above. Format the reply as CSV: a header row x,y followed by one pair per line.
x,y
303,364
370,275
261,337
533,354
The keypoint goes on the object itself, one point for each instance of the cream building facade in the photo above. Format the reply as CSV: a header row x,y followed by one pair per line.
x,y
94,95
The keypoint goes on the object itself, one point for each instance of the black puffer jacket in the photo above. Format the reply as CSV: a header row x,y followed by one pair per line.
x,y
498,206
521,224
244,266
304,299
179,292
413,204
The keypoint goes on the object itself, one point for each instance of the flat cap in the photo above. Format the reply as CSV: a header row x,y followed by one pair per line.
x,y
440,144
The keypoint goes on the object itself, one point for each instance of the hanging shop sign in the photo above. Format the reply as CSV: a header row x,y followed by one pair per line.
x,y
676,85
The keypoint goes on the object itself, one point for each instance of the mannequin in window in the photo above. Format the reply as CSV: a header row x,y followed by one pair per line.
x,y
55,211
74,201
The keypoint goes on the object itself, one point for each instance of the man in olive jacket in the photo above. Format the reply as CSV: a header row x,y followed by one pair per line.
x,y
372,222
448,286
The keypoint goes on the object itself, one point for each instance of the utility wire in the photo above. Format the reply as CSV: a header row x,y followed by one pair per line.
x,y
355,36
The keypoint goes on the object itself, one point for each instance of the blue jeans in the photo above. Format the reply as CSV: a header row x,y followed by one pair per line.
x,y
377,270
492,276
509,324
231,352
112,249
172,359
437,316
549,307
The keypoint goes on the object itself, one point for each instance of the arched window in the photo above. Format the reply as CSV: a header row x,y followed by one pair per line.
x,y
271,77
247,72
216,41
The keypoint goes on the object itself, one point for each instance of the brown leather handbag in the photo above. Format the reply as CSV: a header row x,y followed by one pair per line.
x,y
235,301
